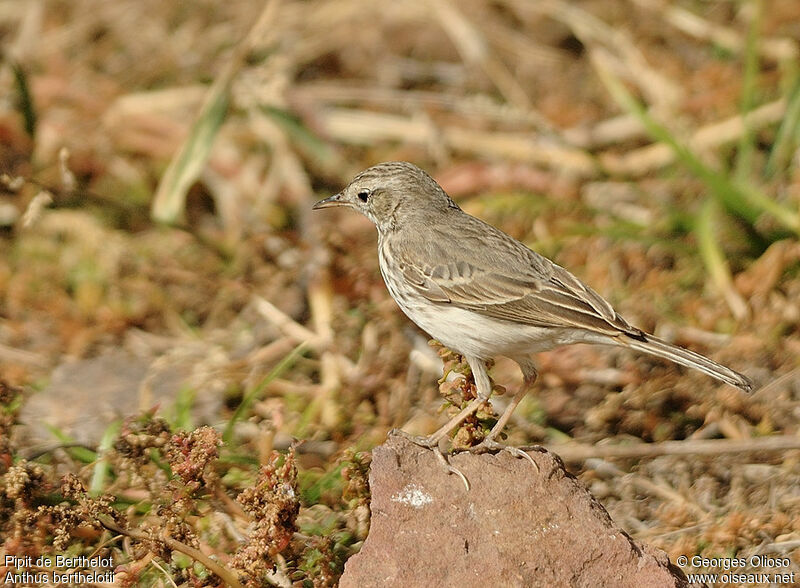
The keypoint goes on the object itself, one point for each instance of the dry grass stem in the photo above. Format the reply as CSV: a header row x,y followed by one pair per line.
x,y
474,50
705,140
578,452
776,49
618,129
661,92
286,324
221,571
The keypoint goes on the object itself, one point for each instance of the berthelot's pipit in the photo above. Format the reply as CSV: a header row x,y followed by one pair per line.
x,y
483,293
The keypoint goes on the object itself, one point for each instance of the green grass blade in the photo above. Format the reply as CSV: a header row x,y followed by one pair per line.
x,y
185,167
301,136
81,454
788,136
747,147
26,105
790,219
251,396
715,261
102,468
741,199
182,410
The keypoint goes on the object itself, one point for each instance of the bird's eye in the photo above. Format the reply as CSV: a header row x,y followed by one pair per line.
x,y
363,195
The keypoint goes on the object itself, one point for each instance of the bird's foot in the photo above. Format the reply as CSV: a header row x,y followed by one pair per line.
x,y
432,443
426,442
489,444
450,469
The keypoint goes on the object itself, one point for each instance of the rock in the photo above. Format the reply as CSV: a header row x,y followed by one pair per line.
x,y
516,526
85,396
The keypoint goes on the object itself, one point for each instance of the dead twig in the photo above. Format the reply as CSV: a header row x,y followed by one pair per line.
x,y
579,452
658,155
776,49
223,573
594,33
474,50
361,127
287,324
654,487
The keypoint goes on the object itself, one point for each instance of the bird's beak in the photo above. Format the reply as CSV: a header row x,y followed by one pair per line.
x,y
330,201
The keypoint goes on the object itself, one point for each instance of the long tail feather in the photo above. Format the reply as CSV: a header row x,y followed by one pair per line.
x,y
655,346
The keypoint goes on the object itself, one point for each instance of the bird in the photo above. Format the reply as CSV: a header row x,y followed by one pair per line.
x,y
484,294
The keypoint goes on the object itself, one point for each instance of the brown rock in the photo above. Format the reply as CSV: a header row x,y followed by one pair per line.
x,y
85,396
514,527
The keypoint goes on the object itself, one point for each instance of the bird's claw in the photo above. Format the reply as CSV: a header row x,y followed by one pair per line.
x,y
426,442
449,468
491,445
433,444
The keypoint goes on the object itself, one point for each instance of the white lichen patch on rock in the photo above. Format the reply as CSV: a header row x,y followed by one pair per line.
x,y
413,495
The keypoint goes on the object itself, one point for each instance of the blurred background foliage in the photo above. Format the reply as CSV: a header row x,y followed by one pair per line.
x,y
158,164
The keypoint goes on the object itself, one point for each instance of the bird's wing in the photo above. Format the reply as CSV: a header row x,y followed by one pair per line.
x,y
496,276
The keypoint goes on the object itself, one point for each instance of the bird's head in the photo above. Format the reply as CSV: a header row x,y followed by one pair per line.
x,y
391,193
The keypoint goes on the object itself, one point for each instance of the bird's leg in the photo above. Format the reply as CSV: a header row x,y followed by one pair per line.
x,y
484,386
432,440
432,443
529,377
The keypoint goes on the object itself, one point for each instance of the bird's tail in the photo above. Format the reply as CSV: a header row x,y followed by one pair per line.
x,y
655,346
